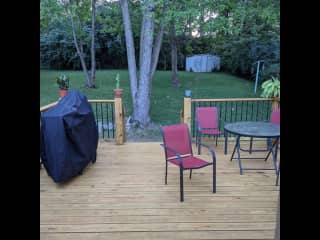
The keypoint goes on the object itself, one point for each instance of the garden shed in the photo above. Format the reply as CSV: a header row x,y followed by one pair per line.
x,y
202,63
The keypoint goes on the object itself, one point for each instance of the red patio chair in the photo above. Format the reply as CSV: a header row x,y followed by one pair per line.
x,y
206,124
275,116
274,119
178,151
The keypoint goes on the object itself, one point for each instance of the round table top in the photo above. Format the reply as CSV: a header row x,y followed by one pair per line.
x,y
253,129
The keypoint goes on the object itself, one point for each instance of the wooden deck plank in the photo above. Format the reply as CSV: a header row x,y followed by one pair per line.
x,y
150,227
187,235
123,196
131,219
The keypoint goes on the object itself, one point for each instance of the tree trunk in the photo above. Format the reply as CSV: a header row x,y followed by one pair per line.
x,y
189,27
174,56
79,51
141,40
157,44
243,16
144,92
93,57
201,23
140,90
156,50
130,55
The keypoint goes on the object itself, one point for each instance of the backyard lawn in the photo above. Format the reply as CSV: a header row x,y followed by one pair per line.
x,y
166,101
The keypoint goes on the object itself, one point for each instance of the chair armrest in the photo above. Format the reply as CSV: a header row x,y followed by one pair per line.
x,y
213,154
173,151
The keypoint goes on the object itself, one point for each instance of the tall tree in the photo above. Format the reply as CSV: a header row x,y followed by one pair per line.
x,y
93,46
174,55
140,87
158,40
78,14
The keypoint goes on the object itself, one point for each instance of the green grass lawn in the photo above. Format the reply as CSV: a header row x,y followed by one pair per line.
x,y
166,101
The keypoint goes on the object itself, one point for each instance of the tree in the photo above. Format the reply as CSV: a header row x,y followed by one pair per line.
x,y
78,13
248,32
92,82
174,54
148,57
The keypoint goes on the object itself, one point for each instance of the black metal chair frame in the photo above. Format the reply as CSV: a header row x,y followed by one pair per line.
x,y
199,135
277,180
180,158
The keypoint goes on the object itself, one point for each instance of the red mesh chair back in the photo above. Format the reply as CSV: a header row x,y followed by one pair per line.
x,y
207,117
275,116
177,137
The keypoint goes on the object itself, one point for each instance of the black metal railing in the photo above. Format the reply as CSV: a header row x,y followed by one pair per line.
x,y
103,113
233,110
105,118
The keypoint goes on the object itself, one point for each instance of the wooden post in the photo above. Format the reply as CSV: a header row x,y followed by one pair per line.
x,y
181,116
187,111
275,103
119,120
124,124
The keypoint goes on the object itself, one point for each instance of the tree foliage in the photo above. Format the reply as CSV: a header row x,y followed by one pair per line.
x,y
239,31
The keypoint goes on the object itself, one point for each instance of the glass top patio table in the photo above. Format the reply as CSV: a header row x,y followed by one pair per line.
x,y
253,129
258,129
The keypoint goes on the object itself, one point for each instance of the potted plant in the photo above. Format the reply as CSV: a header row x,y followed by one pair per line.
x,y
118,91
271,88
63,82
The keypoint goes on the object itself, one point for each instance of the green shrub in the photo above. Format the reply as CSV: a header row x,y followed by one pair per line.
x,y
271,88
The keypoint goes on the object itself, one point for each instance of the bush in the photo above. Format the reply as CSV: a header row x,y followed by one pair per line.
x,y
271,88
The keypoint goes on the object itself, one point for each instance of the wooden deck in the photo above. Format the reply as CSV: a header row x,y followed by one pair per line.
x,y
123,196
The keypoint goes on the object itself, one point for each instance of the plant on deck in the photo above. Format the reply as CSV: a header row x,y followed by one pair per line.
x,y
63,82
271,88
118,81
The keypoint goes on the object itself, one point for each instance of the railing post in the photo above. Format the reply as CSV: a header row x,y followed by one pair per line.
x,y
124,124
275,103
119,116
187,111
181,116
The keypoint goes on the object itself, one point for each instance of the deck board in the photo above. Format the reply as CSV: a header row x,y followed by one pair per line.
x,y
123,196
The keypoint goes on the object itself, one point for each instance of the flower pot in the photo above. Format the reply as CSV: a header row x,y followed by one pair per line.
x,y
118,92
63,92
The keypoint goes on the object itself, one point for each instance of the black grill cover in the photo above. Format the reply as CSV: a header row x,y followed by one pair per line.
x,y
69,137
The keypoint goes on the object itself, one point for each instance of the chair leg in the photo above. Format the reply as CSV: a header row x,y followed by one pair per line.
x,y
166,172
196,138
225,143
269,145
181,186
277,180
214,178
250,149
216,140
190,173
199,144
